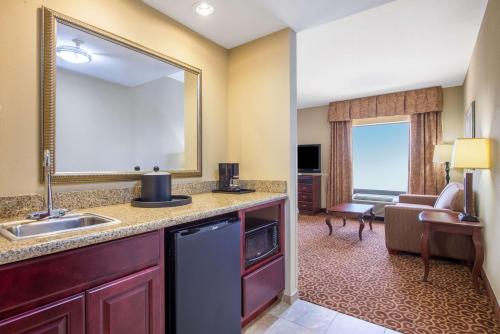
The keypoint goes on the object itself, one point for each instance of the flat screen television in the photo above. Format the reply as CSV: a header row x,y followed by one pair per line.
x,y
309,158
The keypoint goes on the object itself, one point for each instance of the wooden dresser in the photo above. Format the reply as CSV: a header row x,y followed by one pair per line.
x,y
309,194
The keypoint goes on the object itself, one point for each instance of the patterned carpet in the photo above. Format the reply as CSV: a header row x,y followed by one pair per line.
x,y
361,279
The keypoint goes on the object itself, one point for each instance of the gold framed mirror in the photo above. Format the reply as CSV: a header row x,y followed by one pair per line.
x,y
113,109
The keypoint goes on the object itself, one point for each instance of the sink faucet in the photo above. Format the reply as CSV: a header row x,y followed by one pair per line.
x,y
50,212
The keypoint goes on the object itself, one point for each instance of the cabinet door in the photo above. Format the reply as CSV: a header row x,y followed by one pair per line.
x,y
133,304
64,316
262,285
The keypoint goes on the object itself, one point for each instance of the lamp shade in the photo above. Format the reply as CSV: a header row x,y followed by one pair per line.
x,y
472,153
442,153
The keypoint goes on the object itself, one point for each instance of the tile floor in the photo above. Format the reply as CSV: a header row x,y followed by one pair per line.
x,y
305,318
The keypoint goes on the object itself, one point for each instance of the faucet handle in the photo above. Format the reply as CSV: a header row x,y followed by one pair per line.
x,y
38,215
58,213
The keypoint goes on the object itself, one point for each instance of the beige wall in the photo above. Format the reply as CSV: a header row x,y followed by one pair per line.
x,y
453,121
482,85
259,107
313,128
19,78
262,120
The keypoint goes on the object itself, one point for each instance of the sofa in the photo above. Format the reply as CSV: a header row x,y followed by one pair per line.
x,y
403,230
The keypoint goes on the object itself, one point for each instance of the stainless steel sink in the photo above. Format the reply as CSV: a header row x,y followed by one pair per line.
x,y
26,229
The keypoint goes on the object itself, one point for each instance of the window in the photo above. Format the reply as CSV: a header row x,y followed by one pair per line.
x,y
380,156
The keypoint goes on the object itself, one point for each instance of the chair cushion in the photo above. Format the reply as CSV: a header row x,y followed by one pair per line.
x,y
451,198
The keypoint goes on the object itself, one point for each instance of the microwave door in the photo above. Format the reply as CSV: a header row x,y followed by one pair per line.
x,y
263,256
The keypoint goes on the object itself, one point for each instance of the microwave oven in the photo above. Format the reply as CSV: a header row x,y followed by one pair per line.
x,y
261,240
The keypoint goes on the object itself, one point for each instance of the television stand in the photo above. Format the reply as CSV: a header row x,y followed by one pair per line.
x,y
309,194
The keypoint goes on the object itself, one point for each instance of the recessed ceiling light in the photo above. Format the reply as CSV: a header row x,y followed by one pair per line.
x,y
203,8
73,54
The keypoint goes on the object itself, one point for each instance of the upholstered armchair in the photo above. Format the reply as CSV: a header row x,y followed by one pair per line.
x,y
403,230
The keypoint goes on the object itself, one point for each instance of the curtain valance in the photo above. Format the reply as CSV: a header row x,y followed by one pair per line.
x,y
401,103
365,107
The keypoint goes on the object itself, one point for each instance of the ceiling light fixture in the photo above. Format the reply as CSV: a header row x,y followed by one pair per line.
x,y
203,8
73,54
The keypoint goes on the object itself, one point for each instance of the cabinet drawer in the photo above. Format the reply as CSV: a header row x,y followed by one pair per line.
x,y
305,188
305,180
262,285
65,316
304,197
305,206
48,278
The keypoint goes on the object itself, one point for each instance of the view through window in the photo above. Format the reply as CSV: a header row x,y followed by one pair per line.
x,y
380,156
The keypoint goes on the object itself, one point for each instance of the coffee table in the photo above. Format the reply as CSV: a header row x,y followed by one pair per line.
x,y
351,210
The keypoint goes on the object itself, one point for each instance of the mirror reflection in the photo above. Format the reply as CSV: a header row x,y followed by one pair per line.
x,y
121,110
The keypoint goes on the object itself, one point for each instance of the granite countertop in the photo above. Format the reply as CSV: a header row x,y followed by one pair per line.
x,y
133,221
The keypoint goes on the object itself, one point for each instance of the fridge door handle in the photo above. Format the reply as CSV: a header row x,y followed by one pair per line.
x,y
188,232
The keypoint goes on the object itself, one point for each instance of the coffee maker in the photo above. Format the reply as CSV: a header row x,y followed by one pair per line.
x,y
229,174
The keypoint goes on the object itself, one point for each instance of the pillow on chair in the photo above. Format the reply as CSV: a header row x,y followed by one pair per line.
x,y
451,198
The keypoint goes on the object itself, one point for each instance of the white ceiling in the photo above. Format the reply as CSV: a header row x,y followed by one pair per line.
x,y
113,62
351,48
236,22
405,44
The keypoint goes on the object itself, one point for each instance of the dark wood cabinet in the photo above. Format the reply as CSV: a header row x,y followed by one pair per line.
x,y
42,280
309,194
66,316
128,305
264,281
119,287
263,285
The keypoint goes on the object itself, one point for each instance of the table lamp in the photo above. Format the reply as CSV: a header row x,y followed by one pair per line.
x,y
442,154
470,153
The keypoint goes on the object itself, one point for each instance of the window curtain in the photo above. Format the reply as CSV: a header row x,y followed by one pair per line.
x,y
339,183
424,107
425,177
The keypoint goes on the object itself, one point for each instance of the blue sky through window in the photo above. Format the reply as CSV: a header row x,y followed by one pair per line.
x,y
380,156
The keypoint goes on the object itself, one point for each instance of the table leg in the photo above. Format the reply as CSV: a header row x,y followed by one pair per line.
x,y
361,227
329,224
343,218
479,258
372,217
424,250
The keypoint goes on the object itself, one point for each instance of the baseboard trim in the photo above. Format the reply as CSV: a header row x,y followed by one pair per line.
x,y
259,311
290,299
491,295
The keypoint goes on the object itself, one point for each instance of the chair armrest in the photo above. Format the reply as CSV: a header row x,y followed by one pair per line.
x,y
411,210
418,199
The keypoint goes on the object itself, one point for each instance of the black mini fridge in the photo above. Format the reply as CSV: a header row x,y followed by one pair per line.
x,y
204,279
